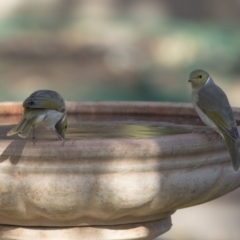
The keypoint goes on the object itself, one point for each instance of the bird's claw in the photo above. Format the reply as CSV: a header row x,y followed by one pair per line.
x,y
203,131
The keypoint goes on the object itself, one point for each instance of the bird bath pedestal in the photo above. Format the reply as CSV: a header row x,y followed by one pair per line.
x,y
119,188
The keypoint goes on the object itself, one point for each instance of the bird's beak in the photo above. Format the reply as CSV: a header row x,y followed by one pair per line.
x,y
189,80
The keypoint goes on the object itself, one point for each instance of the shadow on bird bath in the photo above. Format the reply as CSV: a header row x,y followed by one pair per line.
x,y
13,152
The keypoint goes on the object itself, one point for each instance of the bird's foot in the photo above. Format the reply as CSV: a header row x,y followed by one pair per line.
x,y
34,139
60,138
220,137
205,131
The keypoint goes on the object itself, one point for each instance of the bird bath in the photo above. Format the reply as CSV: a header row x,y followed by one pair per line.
x,y
123,170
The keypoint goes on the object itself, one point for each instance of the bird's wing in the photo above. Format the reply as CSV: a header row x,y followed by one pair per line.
x,y
46,99
214,103
24,126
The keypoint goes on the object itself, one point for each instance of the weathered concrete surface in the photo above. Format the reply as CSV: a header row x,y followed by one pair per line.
x,y
143,231
110,181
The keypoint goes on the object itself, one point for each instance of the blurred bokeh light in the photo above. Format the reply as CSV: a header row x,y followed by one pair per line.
x,y
117,49
91,50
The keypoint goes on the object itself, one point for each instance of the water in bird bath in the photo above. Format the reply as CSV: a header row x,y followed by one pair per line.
x,y
111,126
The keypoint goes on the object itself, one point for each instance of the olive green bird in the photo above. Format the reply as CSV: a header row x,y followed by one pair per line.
x,y
43,107
212,106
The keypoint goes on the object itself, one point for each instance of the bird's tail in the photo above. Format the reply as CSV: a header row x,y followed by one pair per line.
x,y
234,152
23,128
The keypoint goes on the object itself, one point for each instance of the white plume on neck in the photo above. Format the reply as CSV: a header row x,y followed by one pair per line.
x,y
63,118
207,80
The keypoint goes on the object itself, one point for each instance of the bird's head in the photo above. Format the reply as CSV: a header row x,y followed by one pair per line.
x,y
61,126
198,78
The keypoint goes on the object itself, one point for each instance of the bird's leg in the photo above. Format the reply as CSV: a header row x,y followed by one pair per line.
x,y
33,134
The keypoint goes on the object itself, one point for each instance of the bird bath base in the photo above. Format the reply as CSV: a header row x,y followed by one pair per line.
x,y
143,231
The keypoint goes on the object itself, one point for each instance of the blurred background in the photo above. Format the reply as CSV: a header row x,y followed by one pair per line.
x,y
135,50
117,49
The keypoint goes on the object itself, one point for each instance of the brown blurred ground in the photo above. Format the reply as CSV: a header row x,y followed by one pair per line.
x,y
126,50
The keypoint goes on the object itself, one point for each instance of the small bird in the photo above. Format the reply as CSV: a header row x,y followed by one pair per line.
x,y
43,107
212,106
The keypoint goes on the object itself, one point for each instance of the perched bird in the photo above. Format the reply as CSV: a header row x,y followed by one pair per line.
x,y
43,107
212,106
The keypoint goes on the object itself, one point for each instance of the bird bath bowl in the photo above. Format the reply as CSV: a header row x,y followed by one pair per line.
x,y
123,169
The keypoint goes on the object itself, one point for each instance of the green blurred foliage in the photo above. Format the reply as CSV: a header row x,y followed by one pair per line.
x,y
116,50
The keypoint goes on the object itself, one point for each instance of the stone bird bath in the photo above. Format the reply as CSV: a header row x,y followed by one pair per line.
x,y
118,188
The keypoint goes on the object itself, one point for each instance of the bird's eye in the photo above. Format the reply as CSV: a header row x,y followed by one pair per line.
x,y
200,76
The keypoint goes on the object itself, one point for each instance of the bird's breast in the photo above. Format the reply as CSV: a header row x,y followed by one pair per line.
x,y
52,117
201,114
